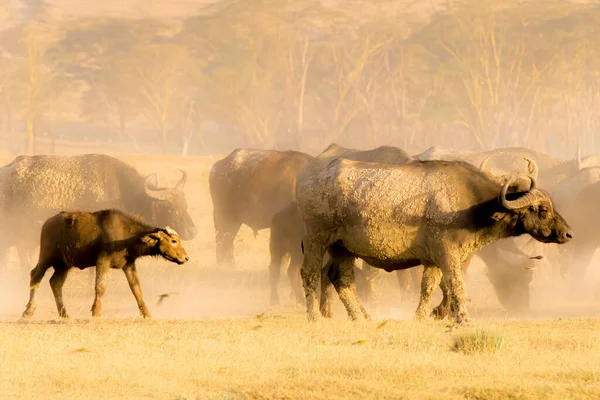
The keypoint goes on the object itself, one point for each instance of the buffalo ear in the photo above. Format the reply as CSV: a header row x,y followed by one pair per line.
x,y
151,239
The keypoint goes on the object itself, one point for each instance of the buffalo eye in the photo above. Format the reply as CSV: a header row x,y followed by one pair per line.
x,y
173,241
543,212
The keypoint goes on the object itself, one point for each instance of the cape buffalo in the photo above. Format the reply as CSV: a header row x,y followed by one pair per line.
x,y
434,213
33,188
511,282
248,187
105,239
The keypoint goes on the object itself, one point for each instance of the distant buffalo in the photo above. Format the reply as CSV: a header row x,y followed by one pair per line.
x,y
33,188
249,187
105,239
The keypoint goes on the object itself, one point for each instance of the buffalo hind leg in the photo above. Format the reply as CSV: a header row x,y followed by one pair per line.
x,y
134,284
102,273
293,274
310,273
345,283
277,252
36,277
57,282
226,231
329,271
431,279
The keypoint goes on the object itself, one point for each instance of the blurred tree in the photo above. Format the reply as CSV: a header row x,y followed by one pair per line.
x,y
37,36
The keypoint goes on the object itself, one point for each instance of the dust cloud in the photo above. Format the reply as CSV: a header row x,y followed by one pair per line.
x,y
161,99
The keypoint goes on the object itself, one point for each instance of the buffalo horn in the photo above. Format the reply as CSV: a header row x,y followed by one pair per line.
x,y
181,184
533,167
483,166
523,201
153,190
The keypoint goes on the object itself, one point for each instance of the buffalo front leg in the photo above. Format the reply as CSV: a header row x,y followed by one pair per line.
x,y
452,275
431,279
310,273
134,284
36,277
57,282
102,273
443,309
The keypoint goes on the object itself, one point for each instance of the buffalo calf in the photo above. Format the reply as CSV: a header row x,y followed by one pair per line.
x,y
105,239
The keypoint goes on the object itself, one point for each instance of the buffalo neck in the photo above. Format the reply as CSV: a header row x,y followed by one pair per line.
x,y
493,222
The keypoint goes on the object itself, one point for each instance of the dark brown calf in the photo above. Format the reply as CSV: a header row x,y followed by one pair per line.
x,y
105,239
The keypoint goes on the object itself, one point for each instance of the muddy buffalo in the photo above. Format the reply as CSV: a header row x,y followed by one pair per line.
x,y
431,213
107,239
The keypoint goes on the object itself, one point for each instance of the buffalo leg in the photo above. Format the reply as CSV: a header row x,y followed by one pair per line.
x,y
293,274
226,231
431,279
452,274
36,277
56,283
443,309
102,273
310,273
134,284
330,271
403,277
277,252
345,284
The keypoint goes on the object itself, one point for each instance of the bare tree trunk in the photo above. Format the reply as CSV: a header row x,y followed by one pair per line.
x,y
163,135
30,124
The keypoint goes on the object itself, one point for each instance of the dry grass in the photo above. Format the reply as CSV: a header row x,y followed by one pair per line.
x,y
479,341
207,343
281,356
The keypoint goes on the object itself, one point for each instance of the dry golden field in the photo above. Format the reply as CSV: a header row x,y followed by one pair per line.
x,y
215,336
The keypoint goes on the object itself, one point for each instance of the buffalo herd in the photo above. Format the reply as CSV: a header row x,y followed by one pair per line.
x,y
421,216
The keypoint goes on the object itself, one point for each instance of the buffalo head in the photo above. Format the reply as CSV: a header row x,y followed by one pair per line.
x,y
165,243
170,206
533,212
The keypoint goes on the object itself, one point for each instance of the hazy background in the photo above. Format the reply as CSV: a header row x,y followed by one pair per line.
x,y
203,77
150,81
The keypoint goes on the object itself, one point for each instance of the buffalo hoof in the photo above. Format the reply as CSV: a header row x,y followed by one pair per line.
x,y
326,312
440,313
365,313
358,316
28,313
462,319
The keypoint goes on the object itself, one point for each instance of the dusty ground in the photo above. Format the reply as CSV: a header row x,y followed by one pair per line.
x,y
206,340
